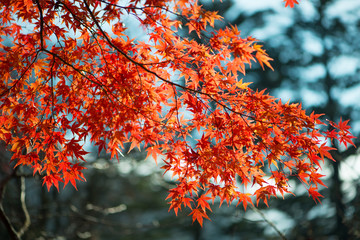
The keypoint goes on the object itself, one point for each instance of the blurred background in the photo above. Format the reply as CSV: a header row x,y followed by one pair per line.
x,y
316,52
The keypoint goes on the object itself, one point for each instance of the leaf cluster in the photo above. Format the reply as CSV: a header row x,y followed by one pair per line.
x,y
71,79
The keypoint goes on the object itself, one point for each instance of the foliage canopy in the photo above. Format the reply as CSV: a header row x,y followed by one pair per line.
x,y
72,74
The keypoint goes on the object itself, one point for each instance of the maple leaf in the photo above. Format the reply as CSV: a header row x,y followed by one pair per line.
x,y
242,85
290,3
331,134
313,192
153,151
314,177
262,57
343,135
324,151
187,202
52,179
199,215
202,202
28,4
245,198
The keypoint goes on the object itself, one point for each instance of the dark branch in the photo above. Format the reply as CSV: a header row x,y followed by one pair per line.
x,y
13,234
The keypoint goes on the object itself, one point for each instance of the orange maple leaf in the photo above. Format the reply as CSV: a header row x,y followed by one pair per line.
x,y
290,3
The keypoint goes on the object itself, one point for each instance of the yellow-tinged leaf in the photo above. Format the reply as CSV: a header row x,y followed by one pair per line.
x,y
15,146
242,85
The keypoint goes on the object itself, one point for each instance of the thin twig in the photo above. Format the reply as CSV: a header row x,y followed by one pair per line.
x,y
282,235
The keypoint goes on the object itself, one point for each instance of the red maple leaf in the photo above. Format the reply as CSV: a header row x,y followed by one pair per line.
x,y
290,3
